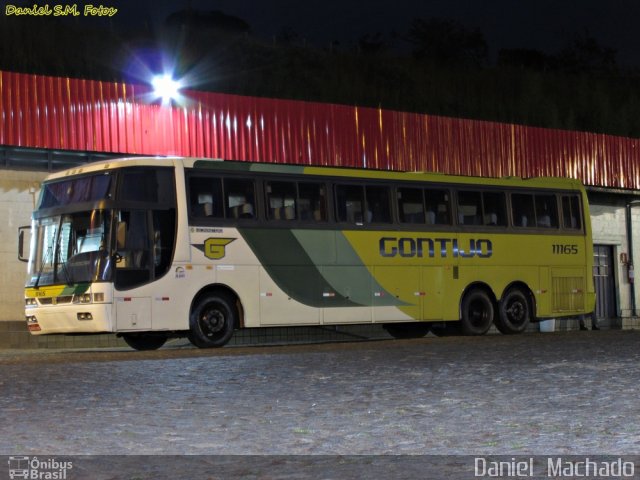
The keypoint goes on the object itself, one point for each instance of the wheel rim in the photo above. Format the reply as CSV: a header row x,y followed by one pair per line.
x,y
478,313
516,312
212,320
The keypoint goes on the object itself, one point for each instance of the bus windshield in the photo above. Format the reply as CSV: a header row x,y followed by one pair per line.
x,y
70,248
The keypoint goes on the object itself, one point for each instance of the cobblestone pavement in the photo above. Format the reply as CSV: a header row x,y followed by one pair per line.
x,y
562,393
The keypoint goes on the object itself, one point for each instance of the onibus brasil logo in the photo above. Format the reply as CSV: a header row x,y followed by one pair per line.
x,y
38,469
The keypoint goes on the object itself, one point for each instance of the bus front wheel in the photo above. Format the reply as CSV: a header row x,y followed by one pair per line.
x,y
142,341
514,313
212,321
477,313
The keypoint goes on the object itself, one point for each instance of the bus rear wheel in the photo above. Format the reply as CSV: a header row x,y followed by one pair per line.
x,y
407,330
212,321
477,313
142,341
514,313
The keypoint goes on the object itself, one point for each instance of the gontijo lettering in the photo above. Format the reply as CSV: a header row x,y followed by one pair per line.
x,y
430,247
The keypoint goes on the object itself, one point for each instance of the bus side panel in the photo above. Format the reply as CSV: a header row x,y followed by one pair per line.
x,y
405,283
542,294
433,283
244,281
279,308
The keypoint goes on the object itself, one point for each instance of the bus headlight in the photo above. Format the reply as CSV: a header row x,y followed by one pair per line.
x,y
84,298
30,302
85,316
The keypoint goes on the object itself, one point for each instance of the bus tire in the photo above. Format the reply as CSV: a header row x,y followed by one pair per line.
x,y
476,312
142,341
407,330
514,312
212,321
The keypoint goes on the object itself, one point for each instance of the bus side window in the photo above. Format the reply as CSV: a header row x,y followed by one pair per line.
x,y
312,202
205,197
378,210
240,198
438,209
349,204
495,209
469,208
411,205
522,210
133,253
571,212
546,211
281,200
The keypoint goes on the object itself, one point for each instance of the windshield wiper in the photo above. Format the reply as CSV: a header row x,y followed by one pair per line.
x,y
65,271
45,257
62,265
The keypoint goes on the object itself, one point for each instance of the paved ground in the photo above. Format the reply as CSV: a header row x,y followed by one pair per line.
x,y
549,394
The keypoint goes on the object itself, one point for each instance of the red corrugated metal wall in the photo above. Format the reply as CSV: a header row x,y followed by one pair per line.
x,y
72,114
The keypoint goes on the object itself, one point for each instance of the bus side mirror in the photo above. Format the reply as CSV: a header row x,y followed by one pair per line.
x,y
24,234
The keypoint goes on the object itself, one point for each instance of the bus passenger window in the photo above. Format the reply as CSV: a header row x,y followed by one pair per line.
x,y
411,205
349,204
240,198
571,212
205,197
546,211
378,205
312,202
438,210
494,209
281,200
522,210
469,208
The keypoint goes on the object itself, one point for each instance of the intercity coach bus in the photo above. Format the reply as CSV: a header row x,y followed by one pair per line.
x,y
156,248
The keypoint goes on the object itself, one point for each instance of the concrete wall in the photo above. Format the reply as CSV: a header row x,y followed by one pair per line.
x,y
18,191
609,228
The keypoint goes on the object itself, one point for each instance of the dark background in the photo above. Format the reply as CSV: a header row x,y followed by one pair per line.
x,y
569,65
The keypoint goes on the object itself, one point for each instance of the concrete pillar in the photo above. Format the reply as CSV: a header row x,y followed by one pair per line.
x,y
18,192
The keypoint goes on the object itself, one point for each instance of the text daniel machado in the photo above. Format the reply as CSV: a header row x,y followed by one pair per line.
x,y
556,467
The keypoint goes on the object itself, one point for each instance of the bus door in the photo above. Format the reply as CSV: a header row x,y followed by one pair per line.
x,y
133,269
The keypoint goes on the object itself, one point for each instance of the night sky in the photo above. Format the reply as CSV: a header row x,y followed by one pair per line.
x,y
547,25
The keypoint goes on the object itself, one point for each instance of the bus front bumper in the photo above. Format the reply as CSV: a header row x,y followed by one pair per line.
x,y
76,318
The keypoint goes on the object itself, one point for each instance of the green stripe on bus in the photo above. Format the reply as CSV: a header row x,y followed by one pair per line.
x,y
303,264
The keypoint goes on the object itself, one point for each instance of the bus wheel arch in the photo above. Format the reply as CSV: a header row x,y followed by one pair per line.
x,y
214,315
516,309
477,309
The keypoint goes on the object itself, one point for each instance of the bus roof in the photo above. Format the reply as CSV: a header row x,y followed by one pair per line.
x,y
348,172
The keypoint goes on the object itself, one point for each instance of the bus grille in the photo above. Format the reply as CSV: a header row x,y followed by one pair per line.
x,y
63,299
568,294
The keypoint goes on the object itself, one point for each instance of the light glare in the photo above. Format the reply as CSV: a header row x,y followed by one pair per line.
x,y
165,87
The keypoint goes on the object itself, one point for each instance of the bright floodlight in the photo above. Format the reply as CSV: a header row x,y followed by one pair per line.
x,y
165,87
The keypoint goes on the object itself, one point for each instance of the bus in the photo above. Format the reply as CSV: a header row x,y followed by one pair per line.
x,y
158,248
